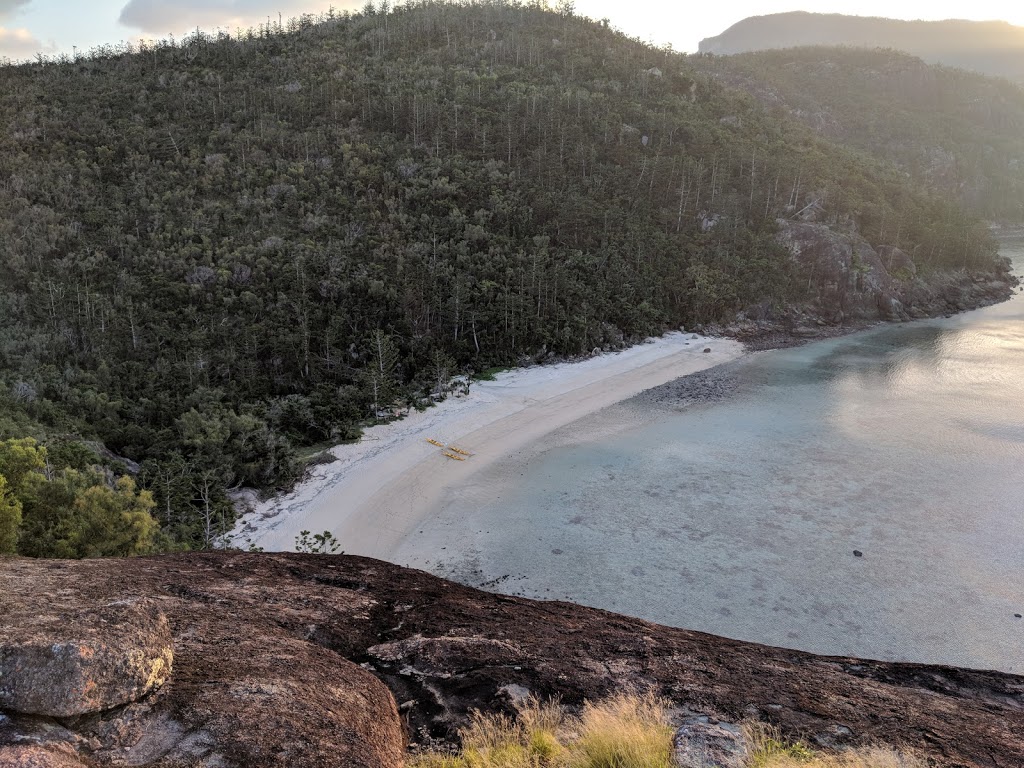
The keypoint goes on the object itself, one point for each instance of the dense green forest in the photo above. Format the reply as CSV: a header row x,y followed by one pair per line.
x,y
957,132
218,251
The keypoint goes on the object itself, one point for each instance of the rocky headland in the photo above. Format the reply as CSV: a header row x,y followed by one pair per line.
x,y
233,659
853,285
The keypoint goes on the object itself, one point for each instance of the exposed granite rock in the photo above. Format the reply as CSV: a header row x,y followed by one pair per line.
x,y
854,282
35,756
267,648
245,690
703,742
854,286
63,663
896,261
850,278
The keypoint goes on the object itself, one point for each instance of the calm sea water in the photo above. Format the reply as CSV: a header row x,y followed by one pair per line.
x,y
740,518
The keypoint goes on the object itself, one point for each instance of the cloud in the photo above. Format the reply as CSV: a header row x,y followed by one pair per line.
x,y
8,7
20,44
160,17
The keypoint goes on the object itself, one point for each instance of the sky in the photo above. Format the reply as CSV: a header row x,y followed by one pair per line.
x,y
28,27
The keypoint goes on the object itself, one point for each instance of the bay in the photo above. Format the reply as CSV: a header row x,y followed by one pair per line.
x,y
741,517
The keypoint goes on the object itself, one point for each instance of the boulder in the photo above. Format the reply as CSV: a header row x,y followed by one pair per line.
x,y
848,276
82,643
65,664
896,261
703,742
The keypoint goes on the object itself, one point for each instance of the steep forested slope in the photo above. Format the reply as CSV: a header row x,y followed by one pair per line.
x,y
959,133
215,251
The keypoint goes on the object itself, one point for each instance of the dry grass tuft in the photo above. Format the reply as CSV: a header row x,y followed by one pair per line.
x,y
621,732
769,750
624,731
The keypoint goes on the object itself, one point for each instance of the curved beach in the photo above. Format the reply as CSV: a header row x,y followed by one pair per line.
x,y
380,488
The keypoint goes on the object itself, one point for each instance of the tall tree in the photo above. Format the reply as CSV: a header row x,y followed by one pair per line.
x,y
10,519
381,373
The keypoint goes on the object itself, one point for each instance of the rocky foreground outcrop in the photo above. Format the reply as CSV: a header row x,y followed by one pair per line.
x,y
76,662
300,660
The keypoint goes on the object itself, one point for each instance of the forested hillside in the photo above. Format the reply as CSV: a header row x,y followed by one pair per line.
x,y
959,133
216,251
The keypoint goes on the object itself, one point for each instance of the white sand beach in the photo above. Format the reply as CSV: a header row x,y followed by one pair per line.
x,y
381,487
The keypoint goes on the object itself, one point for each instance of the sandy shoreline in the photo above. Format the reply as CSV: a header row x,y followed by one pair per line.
x,y
380,488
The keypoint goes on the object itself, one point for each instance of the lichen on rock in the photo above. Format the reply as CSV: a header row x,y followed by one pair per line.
x,y
72,663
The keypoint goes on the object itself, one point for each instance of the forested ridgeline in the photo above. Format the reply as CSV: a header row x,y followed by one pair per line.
x,y
991,47
957,132
217,251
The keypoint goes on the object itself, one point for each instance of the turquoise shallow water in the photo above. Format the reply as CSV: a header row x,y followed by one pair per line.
x,y
740,518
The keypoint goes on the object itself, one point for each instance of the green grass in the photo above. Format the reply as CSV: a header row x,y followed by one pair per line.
x,y
489,374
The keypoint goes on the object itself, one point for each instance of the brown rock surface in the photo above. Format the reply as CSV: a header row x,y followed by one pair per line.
x,y
74,661
267,648
34,756
248,688
704,743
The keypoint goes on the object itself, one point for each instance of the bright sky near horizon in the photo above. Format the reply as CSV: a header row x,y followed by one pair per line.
x,y
28,27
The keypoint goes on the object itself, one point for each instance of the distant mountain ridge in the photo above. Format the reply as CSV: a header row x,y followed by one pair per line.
x,y
990,47
958,133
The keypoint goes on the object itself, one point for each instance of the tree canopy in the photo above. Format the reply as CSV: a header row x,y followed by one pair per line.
x,y
57,511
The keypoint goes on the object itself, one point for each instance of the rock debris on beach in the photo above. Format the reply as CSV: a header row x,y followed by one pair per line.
x,y
711,385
